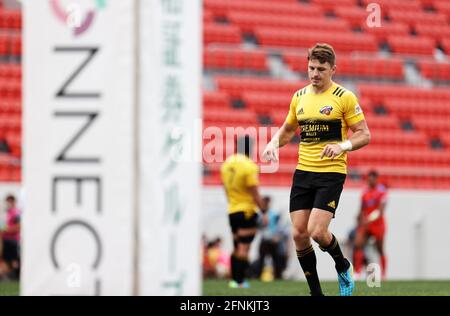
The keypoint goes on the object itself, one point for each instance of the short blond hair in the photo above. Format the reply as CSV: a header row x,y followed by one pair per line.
x,y
323,53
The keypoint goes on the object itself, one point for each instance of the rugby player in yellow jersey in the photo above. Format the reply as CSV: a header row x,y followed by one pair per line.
x,y
324,111
240,179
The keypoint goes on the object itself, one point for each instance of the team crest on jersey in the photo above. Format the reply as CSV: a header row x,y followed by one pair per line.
x,y
326,109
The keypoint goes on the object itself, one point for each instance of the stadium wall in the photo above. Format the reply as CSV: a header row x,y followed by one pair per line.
x,y
417,230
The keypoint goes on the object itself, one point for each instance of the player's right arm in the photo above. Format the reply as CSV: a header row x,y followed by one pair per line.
x,y
285,133
281,138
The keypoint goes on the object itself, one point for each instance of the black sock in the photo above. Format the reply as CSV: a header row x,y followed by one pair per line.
x,y
234,266
335,252
245,265
308,262
238,268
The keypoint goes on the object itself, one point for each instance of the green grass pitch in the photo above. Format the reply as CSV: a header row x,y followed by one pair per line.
x,y
293,288
9,288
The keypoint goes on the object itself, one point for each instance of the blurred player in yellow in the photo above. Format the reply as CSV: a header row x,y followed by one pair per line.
x,y
324,111
240,180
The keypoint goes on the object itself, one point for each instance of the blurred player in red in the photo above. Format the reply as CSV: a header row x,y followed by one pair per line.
x,y
371,222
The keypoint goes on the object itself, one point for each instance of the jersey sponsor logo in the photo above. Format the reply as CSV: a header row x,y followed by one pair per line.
x,y
326,110
316,131
300,112
358,109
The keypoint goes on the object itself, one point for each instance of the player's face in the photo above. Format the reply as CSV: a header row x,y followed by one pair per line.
x,y
372,181
320,74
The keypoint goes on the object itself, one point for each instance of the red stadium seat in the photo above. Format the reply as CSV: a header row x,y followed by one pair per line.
x,y
446,45
237,117
341,41
394,156
402,107
10,107
442,7
10,89
386,29
226,58
16,20
412,18
386,122
435,70
330,5
445,137
431,124
16,174
398,138
395,5
219,33
5,43
10,71
216,100
279,116
16,46
10,19
264,102
411,45
235,86
208,16
247,22
377,93
435,32
222,8
15,144
353,15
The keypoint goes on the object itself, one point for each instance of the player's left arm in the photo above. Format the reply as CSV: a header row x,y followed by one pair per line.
x,y
382,205
254,192
361,135
355,119
382,208
359,139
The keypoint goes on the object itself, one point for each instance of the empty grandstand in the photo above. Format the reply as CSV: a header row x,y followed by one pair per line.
x,y
255,59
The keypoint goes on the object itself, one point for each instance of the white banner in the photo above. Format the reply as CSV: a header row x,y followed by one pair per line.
x,y
79,152
170,39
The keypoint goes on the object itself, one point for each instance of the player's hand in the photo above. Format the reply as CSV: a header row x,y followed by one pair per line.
x,y
271,152
331,151
374,215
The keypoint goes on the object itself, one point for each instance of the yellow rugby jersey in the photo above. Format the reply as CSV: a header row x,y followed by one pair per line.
x,y
323,119
238,173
